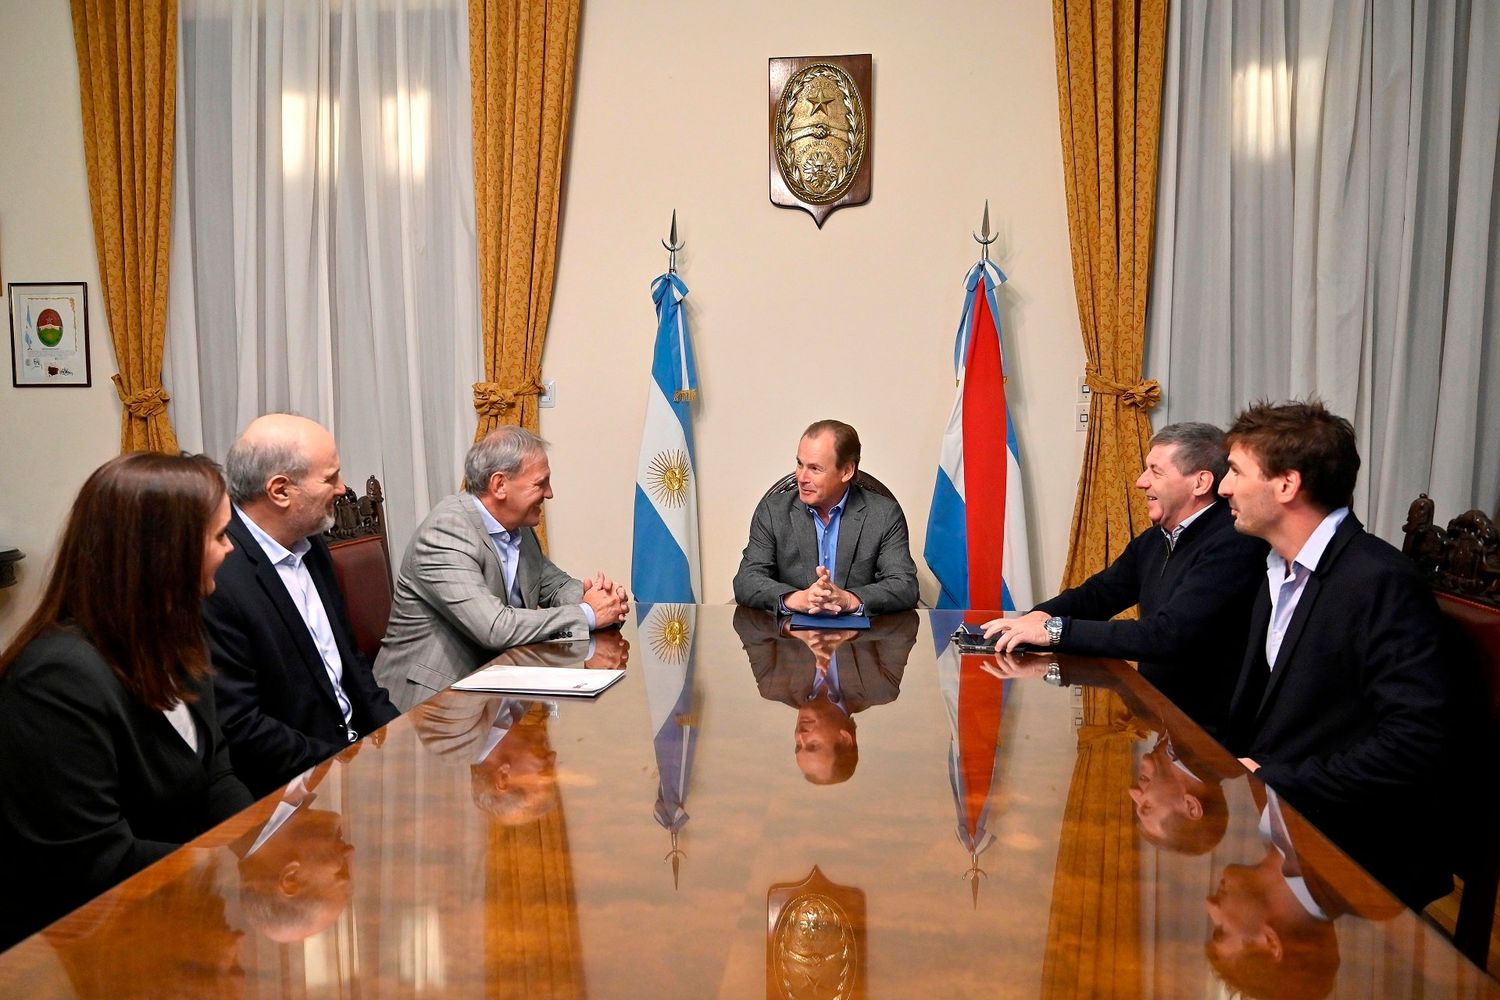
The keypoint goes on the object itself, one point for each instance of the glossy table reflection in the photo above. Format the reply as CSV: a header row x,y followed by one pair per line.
x,y
675,839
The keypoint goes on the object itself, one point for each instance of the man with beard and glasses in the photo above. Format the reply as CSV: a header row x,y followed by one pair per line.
x,y
292,686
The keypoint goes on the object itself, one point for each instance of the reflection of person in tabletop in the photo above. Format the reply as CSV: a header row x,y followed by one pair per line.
x,y
1178,802
1273,932
827,676
162,935
512,773
294,867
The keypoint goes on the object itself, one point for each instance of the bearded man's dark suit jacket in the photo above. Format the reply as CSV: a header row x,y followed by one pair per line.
x,y
873,559
275,700
1195,604
870,665
1358,724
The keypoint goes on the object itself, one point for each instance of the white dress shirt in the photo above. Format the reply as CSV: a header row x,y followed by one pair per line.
x,y
304,594
1288,582
182,721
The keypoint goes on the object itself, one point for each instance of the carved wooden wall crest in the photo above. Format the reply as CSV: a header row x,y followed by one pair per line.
x,y
820,133
815,940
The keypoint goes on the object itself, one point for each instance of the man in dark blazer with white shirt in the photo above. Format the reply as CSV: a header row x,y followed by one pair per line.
x,y
829,547
1347,704
292,686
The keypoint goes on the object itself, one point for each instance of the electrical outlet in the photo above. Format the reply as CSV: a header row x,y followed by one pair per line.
x,y
548,398
1081,417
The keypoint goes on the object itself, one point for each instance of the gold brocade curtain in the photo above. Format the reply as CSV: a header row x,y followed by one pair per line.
x,y
127,75
521,54
532,946
1109,84
1093,930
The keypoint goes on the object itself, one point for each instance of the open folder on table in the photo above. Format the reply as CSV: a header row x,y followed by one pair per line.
x,y
540,682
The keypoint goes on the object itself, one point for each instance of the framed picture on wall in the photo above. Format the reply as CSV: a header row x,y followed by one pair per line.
x,y
49,333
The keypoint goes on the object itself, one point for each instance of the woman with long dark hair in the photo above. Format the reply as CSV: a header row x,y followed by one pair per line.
x,y
110,754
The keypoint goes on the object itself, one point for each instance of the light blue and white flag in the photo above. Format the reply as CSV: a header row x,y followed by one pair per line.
x,y
666,632
664,563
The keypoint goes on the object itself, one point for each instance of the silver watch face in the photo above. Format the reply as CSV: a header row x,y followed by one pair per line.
x,y
1054,629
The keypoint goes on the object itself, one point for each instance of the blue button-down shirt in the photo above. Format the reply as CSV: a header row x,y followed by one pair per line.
x,y
828,535
508,547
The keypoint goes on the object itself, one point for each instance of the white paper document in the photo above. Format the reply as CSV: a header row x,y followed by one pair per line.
x,y
545,682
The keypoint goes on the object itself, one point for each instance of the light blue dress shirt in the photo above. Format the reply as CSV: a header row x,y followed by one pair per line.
x,y
1287,584
508,548
828,535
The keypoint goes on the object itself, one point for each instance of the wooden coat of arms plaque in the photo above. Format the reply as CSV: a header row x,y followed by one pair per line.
x,y
821,115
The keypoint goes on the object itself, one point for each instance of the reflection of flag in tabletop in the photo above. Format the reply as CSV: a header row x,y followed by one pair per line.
x,y
975,698
664,561
976,532
666,631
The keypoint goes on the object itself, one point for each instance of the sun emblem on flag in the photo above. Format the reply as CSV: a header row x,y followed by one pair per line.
x,y
668,478
671,635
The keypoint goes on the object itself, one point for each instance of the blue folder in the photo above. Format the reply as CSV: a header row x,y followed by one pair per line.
x,y
800,622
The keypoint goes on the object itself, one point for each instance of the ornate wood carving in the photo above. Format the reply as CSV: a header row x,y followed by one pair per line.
x,y
8,560
356,516
815,940
821,115
1462,559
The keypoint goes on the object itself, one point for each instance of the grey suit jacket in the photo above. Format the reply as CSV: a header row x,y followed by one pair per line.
x,y
873,558
450,612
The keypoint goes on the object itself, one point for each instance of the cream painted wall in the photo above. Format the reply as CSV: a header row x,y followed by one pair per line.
x,y
792,324
50,439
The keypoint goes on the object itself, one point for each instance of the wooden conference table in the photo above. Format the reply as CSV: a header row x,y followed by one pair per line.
x,y
986,844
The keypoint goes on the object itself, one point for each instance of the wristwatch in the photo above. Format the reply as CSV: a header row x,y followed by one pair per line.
x,y
1054,627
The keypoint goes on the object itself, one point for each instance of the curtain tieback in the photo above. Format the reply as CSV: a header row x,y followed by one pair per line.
x,y
144,404
1143,395
492,399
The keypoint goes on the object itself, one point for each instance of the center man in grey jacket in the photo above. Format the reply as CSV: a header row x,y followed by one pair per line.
x,y
829,547
475,581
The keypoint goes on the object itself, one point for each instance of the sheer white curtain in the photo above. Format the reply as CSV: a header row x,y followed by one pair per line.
x,y
1328,223
323,234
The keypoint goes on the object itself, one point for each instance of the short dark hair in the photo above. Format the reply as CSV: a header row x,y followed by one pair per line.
x,y
1302,437
1200,447
128,574
845,440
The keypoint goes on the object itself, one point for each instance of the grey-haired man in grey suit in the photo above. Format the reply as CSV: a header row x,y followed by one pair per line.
x,y
475,581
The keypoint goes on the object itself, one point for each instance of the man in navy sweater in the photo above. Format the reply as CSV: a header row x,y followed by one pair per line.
x,y
1193,576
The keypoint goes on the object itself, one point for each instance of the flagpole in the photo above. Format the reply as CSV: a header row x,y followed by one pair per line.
x,y
983,241
673,246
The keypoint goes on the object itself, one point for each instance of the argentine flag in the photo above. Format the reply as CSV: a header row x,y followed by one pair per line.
x,y
976,533
664,563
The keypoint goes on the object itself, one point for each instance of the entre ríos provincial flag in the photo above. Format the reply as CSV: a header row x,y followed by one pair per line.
x,y
664,564
976,533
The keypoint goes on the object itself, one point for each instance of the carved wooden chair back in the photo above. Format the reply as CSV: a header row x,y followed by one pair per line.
x,y
788,483
1462,563
362,563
